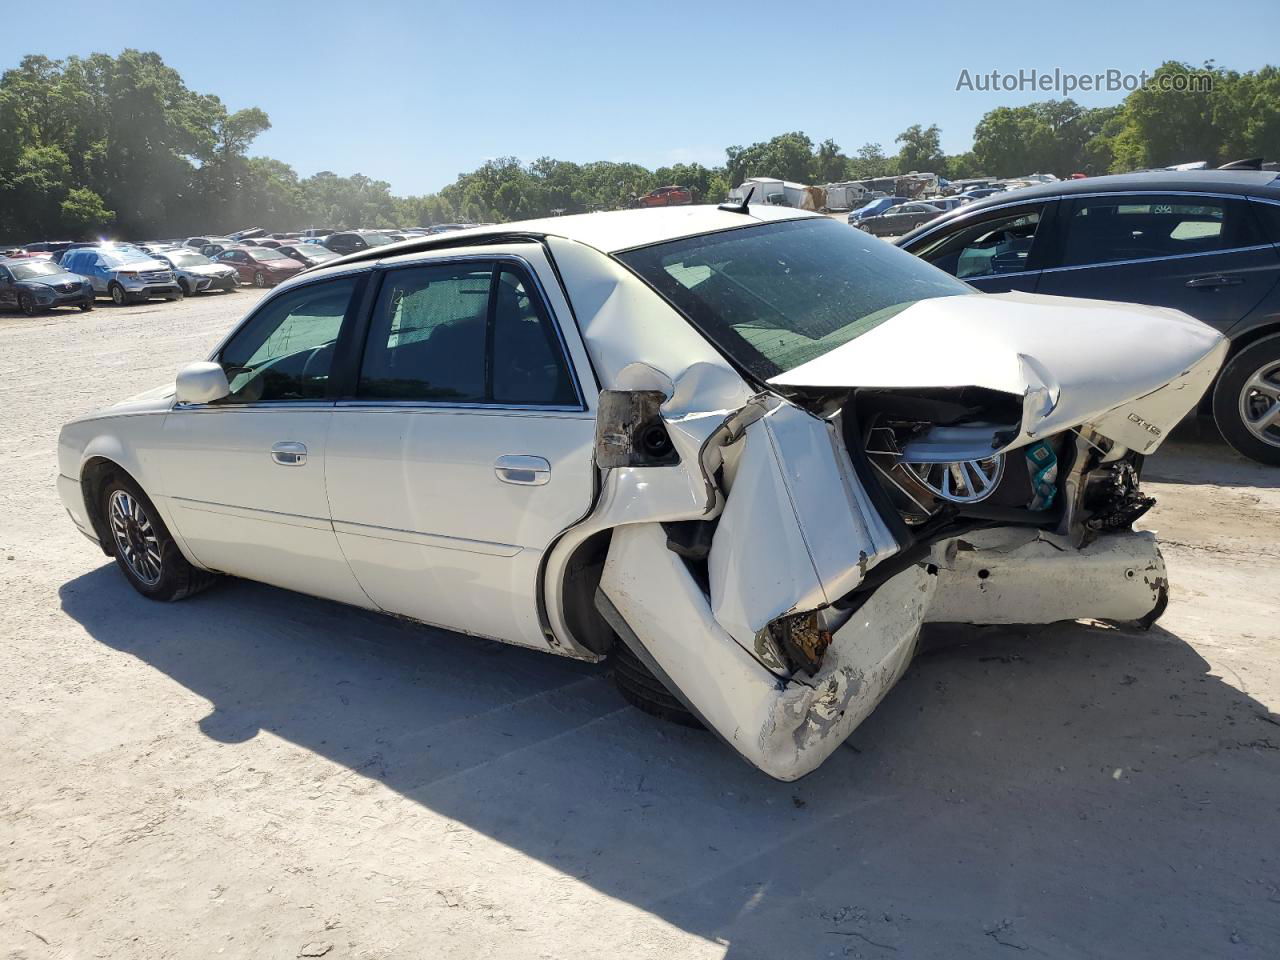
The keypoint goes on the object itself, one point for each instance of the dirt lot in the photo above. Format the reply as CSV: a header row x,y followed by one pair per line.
x,y
258,774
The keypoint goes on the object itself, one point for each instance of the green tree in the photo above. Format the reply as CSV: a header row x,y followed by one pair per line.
x,y
921,150
789,156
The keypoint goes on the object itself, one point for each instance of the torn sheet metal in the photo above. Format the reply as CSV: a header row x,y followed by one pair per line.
x,y
1135,369
797,531
1007,575
784,727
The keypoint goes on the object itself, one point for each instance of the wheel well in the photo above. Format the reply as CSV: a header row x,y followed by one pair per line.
x,y
1246,339
582,576
97,473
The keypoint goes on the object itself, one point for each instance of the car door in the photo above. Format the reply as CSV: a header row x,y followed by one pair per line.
x,y
1200,253
244,476
996,250
465,448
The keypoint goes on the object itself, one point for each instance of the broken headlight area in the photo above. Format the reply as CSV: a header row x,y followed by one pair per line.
x,y
630,431
1107,495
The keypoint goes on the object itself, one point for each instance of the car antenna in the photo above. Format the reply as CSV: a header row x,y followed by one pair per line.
x,y
739,207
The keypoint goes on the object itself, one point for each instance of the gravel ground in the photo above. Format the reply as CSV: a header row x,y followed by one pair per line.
x,y
258,774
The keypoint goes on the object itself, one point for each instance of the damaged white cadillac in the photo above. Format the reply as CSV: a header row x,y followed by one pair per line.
x,y
744,452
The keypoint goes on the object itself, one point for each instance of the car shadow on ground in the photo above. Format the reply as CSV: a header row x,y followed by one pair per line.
x,y
1016,782
1196,454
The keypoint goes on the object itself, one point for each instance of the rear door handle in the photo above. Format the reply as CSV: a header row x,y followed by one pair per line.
x,y
524,470
1217,280
289,453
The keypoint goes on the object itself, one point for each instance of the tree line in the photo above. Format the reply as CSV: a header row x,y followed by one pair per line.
x,y
121,144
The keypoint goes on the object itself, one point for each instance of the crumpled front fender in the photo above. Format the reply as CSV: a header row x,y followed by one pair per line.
x,y
784,727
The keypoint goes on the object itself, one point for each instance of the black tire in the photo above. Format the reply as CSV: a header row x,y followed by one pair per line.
x,y
118,295
644,691
176,578
1227,399
86,306
27,304
184,287
178,295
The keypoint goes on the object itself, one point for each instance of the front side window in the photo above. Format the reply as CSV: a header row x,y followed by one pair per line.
x,y
994,246
777,295
463,333
1113,228
285,351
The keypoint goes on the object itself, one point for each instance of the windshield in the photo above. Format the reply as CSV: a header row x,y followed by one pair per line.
x,y
185,260
375,239
775,296
29,271
266,253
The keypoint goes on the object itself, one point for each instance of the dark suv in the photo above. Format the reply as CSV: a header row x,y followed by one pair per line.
x,y
1204,242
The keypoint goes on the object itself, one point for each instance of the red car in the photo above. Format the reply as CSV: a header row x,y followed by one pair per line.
x,y
667,197
261,266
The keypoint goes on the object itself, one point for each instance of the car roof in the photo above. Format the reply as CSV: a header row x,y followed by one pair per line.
x,y
1242,182
607,232
1265,183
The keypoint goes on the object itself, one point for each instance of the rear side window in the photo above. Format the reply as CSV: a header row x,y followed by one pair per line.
x,y
1268,218
464,333
1115,228
285,351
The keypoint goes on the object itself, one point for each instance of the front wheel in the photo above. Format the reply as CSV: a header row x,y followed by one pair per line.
x,y
184,287
118,296
177,294
145,551
640,688
1246,401
27,304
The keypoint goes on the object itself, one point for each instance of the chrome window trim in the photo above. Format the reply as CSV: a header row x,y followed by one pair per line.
x,y
446,407
977,214
494,258
1083,196
1168,256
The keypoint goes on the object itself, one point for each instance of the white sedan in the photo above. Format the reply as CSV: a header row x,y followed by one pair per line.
x,y
744,452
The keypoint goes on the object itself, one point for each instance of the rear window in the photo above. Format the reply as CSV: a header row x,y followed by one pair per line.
x,y
775,296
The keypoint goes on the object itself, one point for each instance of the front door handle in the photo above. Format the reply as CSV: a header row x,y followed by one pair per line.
x,y
524,470
1217,280
289,453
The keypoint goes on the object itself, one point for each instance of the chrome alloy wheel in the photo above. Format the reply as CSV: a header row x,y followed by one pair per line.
x,y
135,537
962,481
1260,403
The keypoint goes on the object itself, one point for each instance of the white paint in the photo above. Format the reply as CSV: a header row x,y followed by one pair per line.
x,y
1072,361
1033,577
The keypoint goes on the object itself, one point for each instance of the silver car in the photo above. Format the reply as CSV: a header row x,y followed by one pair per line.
x,y
196,273
124,275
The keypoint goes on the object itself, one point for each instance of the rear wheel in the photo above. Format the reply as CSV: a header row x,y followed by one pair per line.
x,y
86,306
145,552
640,688
1246,401
259,278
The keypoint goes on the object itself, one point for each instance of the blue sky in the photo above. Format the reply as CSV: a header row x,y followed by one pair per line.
x,y
415,93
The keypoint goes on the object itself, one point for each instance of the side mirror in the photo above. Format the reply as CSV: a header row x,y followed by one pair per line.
x,y
201,382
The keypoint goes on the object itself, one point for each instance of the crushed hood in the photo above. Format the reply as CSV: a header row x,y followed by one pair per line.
x,y
1072,361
